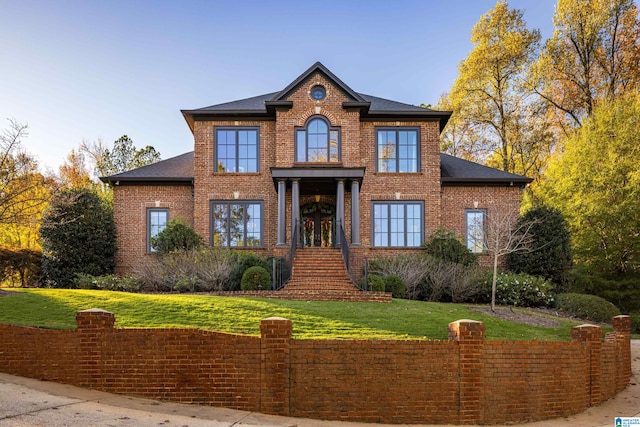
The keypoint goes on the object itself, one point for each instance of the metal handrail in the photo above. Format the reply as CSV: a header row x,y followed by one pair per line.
x,y
356,266
282,267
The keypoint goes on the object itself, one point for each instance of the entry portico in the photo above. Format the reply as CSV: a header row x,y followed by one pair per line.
x,y
317,182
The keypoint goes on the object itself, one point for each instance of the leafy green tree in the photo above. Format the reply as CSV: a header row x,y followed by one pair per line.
x,y
490,99
177,235
593,55
595,183
78,236
125,156
551,256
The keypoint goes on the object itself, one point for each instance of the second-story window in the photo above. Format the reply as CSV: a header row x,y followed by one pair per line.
x,y
397,150
317,142
236,150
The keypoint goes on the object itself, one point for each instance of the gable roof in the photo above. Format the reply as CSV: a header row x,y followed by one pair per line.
x,y
264,106
452,171
324,70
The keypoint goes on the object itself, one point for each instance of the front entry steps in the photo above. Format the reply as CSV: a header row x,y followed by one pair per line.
x,y
320,274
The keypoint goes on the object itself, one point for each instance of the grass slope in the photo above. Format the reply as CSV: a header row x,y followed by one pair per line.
x,y
401,319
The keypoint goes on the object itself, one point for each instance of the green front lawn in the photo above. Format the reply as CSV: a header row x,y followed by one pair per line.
x,y
401,319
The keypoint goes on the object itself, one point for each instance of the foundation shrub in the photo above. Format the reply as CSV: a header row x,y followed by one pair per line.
x,y
412,270
393,284
589,307
244,261
445,245
430,279
255,278
176,236
203,269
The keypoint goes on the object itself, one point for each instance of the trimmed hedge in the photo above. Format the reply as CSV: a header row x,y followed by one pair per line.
x,y
255,278
589,307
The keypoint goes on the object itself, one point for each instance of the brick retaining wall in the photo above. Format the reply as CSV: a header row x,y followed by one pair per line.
x,y
465,380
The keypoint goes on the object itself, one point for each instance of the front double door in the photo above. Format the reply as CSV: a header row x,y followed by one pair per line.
x,y
318,225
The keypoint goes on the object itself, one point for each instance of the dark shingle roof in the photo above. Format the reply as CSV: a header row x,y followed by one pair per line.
x,y
255,103
265,105
456,170
175,169
452,171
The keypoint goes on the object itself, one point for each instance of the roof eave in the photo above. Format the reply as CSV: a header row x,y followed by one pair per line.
x,y
442,116
520,181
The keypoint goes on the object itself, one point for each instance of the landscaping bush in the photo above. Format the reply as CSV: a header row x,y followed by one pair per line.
x,y
622,291
393,284
590,307
412,269
375,283
244,261
78,236
551,241
446,246
109,282
203,269
430,279
522,290
255,278
176,236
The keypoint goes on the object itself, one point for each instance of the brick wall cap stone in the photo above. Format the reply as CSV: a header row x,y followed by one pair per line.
x,y
275,319
94,310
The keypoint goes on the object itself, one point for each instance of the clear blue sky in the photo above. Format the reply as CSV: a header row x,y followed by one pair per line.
x,y
75,70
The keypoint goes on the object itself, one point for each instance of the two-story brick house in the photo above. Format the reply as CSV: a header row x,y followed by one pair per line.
x,y
316,156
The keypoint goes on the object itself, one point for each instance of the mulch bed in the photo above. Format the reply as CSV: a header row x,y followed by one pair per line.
x,y
533,318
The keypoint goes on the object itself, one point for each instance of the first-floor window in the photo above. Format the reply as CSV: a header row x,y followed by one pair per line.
x,y
157,220
236,224
397,224
475,229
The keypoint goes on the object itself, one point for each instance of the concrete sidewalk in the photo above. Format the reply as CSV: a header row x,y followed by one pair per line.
x,y
28,402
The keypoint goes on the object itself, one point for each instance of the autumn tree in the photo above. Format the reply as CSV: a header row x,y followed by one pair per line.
x,y
593,55
595,183
74,172
495,116
24,191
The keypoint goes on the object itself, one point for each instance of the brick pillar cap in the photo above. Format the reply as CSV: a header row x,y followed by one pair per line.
x,y
95,310
586,326
277,319
467,321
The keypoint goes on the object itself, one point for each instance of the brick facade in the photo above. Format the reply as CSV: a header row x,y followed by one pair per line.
x,y
278,117
463,380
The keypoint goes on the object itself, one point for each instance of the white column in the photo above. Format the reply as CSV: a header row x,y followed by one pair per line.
x,y
355,213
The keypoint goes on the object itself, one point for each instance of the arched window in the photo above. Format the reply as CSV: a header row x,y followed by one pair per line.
x,y
317,142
